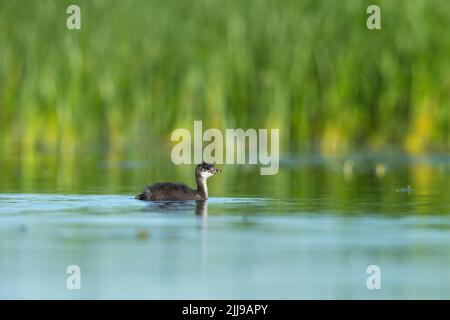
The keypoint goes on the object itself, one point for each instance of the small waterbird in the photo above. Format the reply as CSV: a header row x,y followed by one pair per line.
x,y
180,192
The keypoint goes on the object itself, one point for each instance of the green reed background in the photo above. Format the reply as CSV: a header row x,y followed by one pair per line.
x,y
139,69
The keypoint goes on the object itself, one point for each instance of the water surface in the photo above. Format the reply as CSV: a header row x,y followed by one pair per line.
x,y
309,232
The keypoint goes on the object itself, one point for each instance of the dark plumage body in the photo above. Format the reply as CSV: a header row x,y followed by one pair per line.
x,y
181,192
169,191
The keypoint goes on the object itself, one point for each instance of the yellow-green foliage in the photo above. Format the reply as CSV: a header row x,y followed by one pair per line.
x,y
139,69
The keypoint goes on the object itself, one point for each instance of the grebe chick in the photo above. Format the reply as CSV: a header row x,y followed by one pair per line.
x,y
181,192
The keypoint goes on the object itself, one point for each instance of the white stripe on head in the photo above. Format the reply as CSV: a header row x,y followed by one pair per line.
x,y
205,174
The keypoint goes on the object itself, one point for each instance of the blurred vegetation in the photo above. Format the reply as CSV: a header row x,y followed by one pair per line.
x,y
138,69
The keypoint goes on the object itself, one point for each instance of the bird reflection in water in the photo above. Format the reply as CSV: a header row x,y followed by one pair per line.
x,y
201,207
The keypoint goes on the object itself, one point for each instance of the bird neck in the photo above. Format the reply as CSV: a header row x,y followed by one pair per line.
x,y
201,185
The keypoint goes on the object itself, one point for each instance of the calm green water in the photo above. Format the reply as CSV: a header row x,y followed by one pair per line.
x,y
309,232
